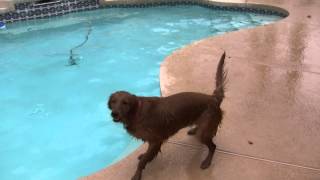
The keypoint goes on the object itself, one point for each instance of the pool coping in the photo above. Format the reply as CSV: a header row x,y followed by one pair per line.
x,y
174,77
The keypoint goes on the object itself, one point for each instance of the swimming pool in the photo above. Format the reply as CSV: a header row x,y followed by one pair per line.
x,y
54,121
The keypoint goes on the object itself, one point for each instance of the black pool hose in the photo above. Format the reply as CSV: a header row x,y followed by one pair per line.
x,y
72,58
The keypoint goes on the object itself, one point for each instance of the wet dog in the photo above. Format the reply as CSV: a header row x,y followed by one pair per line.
x,y
155,119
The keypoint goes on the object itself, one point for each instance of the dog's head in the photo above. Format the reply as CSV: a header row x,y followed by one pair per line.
x,y
122,105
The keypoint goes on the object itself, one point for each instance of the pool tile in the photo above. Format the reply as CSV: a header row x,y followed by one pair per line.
x,y
54,8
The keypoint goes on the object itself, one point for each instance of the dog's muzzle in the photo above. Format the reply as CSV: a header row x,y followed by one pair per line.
x,y
115,116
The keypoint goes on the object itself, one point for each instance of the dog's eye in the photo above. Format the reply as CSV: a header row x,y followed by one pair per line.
x,y
125,103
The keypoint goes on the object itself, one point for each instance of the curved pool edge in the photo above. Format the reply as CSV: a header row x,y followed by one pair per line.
x,y
177,74
174,80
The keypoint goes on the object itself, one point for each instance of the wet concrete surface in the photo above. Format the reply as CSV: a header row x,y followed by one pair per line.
x,y
179,162
271,128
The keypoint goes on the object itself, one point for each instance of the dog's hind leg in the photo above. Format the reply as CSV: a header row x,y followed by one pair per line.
x,y
212,147
208,127
145,158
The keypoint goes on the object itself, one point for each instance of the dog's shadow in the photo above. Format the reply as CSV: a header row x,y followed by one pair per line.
x,y
179,162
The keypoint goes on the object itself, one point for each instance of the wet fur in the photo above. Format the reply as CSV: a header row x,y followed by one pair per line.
x,y
155,119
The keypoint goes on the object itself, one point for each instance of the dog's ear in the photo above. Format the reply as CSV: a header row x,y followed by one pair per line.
x,y
133,102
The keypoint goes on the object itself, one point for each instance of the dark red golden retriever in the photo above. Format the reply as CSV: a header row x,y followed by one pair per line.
x,y
155,119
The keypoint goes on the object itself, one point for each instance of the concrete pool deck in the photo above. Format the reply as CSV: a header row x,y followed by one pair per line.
x,y
6,6
271,128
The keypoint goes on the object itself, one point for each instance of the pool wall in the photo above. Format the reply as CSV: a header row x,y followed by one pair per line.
x,y
29,10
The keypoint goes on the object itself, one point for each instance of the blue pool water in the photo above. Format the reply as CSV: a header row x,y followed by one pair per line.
x,y
54,121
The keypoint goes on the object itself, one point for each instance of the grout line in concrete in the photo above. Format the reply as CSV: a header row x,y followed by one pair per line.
x,y
317,170
282,67
292,68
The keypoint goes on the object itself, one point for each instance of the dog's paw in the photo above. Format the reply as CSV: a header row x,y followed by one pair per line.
x,y
205,164
137,176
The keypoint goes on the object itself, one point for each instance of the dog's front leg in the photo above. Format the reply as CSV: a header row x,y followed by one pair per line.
x,y
151,153
141,156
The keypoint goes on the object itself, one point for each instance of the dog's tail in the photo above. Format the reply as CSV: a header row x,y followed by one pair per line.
x,y
221,76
